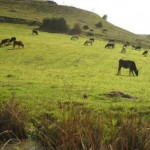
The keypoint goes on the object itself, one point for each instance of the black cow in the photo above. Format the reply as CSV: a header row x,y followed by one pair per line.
x,y
110,45
92,39
12,40
123,49
88,42
34,32
5,42
145,53
136,47
128,64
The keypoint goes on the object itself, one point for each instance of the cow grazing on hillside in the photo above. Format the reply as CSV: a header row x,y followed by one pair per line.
x,y
18,43
34,32
128,64
136,47
5,42
92,39
104,31
110,45
88,42
123,49
12,40
73,37
145,53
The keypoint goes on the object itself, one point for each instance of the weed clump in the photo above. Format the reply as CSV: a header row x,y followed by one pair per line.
x,y
13,120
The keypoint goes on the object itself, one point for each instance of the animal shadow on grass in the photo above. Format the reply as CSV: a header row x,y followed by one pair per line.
x,y
10,48
124,75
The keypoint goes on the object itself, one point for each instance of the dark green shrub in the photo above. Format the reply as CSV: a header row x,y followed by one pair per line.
x,y
76,29
99,25
85,27
55,25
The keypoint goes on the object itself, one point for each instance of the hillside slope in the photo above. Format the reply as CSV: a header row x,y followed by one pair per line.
x,y
33,10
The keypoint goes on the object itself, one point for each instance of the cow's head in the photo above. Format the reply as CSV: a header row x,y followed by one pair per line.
x,y
136,72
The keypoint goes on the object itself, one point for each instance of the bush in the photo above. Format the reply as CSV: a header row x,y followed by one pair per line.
x,y
85,27
54,25
99,25
76,29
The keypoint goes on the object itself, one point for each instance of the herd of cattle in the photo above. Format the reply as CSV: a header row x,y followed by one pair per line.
x,y
128,64
9,41
110,44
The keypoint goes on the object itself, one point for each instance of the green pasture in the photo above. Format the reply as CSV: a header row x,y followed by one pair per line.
x,y
52,68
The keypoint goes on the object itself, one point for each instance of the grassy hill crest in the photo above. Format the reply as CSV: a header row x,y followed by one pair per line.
x,y
34,10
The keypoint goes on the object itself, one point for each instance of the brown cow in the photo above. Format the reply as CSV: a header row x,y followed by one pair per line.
x,y
5,42
19,43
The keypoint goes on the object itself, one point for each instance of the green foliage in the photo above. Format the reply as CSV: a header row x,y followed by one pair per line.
x,y
76,29
99,25
85,27
105,17
54,25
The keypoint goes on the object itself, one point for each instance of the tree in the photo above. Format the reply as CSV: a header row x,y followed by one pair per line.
x,y
54,25
105,17
76,29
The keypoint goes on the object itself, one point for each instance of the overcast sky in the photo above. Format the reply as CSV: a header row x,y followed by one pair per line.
x,y
132,15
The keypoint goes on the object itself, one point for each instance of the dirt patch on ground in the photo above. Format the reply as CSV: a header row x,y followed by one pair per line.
x,y
119,94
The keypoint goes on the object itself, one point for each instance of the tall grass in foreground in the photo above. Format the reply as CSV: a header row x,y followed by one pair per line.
x,y
81,128
74,127
13,120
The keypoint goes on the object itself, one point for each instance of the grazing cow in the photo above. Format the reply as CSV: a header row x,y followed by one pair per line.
x,y
5,42
88,42
104,31
123,49
92,39
145,53
126,44
110,45
75,37
34,32
12,40
19,43
136,47
127,64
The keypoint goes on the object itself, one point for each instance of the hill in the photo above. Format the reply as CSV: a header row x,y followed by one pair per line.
x,y
67,95
35,11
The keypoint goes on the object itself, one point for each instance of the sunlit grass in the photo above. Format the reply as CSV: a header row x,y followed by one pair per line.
x,y
54,68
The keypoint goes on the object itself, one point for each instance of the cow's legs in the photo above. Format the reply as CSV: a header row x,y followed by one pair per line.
x,y
131,72
119,70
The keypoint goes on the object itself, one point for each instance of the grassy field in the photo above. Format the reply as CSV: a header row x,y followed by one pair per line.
x,y
54,68
55,89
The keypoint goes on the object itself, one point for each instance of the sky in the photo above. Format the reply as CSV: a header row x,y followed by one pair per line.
x,y
131,15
